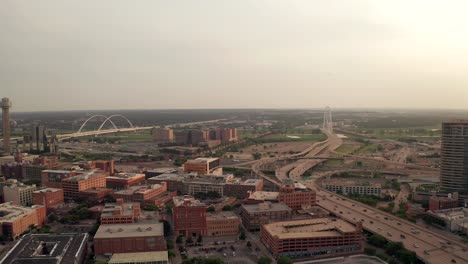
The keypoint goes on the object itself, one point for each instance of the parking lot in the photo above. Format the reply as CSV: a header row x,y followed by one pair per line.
x,y
233,253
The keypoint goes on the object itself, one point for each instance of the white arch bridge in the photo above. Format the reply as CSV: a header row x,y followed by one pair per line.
x,y
115,129
100,130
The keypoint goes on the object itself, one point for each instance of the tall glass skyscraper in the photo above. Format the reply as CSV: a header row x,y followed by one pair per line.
x,y
454,158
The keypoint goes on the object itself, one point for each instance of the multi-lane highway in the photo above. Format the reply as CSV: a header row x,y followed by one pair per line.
x,y
431,247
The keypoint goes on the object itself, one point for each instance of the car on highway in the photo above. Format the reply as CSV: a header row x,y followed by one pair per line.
x,y
416,245
402,236
389,234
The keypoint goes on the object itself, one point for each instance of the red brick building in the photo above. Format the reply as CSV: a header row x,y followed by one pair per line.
x,y
203,166
296,199
104,165
74,185
48,197
143,193
441,203
53,178
129,238
123,181
189,217
15,219
224,223
312,238
117,213
94,194
241,190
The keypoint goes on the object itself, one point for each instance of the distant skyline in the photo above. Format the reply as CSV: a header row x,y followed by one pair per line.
x,y
151,54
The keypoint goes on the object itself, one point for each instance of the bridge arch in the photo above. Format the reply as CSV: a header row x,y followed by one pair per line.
x,y
94,116
109,119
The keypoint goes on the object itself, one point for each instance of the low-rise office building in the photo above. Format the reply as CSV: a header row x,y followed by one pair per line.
x,y
313,238
224,223
189,217
74,185
129,238
117,213
441,203
95,194
122,181
296,198
142,193
19,194
353,187
204,166
225,185
256,215
16,219
155,257
48,197
53,178
67,248
241,189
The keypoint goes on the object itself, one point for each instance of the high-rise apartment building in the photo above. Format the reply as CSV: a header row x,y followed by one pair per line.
x,y
454,157
162,134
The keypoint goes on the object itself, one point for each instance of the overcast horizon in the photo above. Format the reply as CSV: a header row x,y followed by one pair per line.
x,y
259,54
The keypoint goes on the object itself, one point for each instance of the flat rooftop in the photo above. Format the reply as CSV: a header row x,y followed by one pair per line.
x,y
63,249
138,189
186,200
141,257
321,227
264,196
109,208
168,176
57,171
352,182
221,216
85,176
47,190
163,170
129,230
10,213
125,175
202,160
266,207
252,182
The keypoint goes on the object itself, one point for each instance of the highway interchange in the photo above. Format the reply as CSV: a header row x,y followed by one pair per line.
x,y
429,246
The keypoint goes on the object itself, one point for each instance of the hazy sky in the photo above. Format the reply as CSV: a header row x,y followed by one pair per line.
x,y
115,54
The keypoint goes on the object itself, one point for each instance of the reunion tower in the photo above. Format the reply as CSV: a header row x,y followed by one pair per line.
x,y
6,105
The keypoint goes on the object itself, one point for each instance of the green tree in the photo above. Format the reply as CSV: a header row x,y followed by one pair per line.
x,y
189,240
166,227
393,247
284,260
249,244
169,244
242,235
377,240
227,208
264,260
210,209
257,156
179,240
369,251
200,239
171,254
52,218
